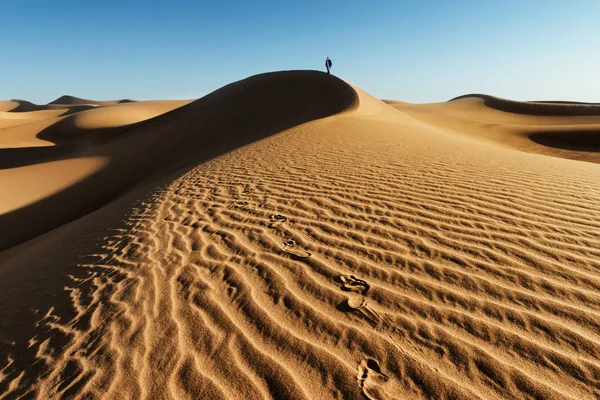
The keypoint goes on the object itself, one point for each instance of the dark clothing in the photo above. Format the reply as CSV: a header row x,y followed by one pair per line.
x,y
328,64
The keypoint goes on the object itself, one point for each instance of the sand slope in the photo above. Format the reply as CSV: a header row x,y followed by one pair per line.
x,y
354,250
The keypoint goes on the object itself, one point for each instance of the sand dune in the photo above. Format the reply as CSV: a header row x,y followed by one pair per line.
x,y
559,130
203,128
72,100
555,108
105,122
291,237
24,106
77,123
21,106
7,105
64,105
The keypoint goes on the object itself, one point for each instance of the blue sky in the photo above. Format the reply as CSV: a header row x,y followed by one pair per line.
x,y
418,51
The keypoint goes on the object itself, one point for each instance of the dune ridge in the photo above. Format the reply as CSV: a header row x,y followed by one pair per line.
x,y
367,253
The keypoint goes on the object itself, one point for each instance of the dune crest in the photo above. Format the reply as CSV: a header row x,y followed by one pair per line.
x,y
316,244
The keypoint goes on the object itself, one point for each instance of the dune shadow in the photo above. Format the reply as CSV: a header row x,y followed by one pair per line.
x,y
575,140
23,156
70,142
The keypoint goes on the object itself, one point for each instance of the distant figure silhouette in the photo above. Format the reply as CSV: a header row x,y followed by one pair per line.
x,y
328,65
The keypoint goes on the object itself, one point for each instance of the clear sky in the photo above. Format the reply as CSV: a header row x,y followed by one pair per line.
x,y
417,51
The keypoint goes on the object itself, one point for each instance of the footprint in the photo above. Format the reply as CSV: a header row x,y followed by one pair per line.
x,y
356,299
357,302
276,220
290,246
374,384
350,283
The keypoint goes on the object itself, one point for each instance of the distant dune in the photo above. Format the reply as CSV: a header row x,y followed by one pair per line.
x,y
72,100
558,108
290,236
8,105
20,106
566,130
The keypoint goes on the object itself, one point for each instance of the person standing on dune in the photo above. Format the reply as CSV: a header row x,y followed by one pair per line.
x,y
328,65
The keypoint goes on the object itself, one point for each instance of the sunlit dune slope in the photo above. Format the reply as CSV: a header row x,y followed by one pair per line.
x,y
7,105
316,243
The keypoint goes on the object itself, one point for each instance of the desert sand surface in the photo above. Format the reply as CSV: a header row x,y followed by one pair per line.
x,y
290,236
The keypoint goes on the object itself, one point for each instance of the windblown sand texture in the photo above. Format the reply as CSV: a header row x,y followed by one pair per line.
x,y
291,237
